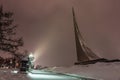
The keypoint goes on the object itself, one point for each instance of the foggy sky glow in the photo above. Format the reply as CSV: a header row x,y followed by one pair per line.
x,y
47,27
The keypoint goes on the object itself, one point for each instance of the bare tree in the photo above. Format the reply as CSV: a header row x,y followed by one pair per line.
x,y
8,40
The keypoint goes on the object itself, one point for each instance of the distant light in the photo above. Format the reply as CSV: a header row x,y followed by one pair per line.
x,y
5,71
15,71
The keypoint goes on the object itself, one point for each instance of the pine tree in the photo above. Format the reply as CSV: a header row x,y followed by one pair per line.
x,y
8,40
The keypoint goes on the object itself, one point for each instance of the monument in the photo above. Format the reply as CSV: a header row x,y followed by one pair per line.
x,y
84,53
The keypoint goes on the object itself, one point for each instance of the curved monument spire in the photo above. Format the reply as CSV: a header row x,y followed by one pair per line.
x,y
84,53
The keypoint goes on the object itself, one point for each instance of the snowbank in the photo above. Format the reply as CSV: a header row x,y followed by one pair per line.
x,y
98,71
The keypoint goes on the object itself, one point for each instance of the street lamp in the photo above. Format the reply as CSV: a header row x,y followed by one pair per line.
x,y
31,60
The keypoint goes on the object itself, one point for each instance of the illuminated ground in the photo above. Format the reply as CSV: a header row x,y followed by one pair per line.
x,y
44,75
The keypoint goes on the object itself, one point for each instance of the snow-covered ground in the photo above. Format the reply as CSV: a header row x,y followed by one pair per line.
x,y
98,71
7,74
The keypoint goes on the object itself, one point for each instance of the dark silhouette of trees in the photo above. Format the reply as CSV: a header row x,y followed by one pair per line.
x,y
9,42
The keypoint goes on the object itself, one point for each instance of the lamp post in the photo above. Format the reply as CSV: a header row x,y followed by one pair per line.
x,y
31,60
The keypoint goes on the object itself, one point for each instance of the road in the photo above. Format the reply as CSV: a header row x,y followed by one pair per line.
x,y
46,75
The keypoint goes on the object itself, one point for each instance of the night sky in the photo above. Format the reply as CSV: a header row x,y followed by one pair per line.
x,y
47,27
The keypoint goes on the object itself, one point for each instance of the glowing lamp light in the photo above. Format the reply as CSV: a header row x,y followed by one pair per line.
x,y
31,62
31,55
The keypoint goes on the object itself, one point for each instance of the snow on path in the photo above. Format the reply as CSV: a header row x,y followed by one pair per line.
x,y
99,71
